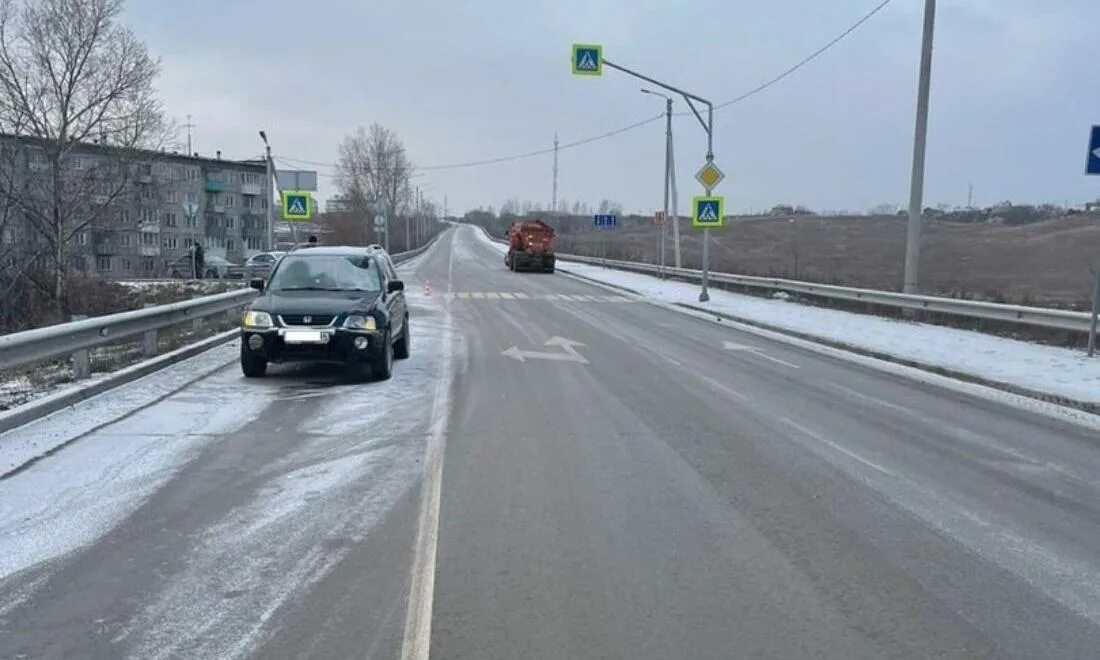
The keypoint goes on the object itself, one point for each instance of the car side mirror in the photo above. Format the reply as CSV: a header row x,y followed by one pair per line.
x,y
257,283
395,285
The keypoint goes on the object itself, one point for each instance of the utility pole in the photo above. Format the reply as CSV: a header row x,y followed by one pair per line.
x,y
268,195
970,196
418,236
920,138
675,217
554,199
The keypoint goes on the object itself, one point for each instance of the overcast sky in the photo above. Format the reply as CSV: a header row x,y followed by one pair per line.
x,y
1015,88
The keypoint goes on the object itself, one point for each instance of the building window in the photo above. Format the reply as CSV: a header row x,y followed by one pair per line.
x,y
192,197
124,216
190,220
173,197
230,200
148,239
124,241
188,242
147,215
103,263
127,265
170,220
230,222
82,238
79,264
171,243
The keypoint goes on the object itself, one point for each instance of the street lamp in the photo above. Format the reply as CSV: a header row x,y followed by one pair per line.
x,y
668,176
267,193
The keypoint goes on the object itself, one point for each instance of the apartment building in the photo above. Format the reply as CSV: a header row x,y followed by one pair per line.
x,y
150,208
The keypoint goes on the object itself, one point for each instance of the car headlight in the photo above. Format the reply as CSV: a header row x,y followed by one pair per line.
x,y
360,322
258,320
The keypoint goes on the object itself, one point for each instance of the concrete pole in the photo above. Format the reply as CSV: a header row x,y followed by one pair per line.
x,y
268,186
675,218
668,177
916,188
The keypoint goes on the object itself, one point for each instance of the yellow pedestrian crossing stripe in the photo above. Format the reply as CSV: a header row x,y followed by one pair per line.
x,y
516,296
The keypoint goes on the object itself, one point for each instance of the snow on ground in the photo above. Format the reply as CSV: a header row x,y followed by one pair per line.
x,y
78,494
40,436
1050,370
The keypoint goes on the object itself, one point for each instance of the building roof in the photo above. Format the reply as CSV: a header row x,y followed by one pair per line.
x,y
90,147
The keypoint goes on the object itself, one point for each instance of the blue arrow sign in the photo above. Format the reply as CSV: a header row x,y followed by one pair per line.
x,y
607,221
1094,152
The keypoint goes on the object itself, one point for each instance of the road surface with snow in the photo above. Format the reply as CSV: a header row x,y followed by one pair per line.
x,y
559,471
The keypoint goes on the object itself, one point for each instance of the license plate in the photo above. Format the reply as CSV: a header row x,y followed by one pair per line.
x,y
305,337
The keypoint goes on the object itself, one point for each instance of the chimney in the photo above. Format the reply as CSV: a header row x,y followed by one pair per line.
x,y
196,154
219,154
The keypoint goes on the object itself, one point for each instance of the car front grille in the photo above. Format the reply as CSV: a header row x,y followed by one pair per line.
x,y
313,319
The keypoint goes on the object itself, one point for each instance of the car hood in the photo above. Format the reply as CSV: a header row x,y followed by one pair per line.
x,y
315,302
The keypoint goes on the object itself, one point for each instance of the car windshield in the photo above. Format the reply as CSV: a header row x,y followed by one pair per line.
x,y
325,273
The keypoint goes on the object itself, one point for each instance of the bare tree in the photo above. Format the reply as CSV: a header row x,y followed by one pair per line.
x,y
374,170
71,75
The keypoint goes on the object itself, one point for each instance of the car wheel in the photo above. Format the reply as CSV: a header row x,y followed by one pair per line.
x,y
211,274
382,367
253,366
401,348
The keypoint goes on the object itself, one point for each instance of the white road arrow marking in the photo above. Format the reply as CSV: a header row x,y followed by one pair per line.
x,y
758,352
568,346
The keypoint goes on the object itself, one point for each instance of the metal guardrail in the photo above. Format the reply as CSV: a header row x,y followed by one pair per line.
x,y
1059,319
75,338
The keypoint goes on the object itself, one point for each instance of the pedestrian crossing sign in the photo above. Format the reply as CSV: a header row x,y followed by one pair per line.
x,y
587,60
297,205
707,211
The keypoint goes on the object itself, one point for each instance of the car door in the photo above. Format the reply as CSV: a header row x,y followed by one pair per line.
x,y
395,302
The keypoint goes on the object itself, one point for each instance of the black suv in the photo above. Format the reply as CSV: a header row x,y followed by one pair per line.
x,y
342,305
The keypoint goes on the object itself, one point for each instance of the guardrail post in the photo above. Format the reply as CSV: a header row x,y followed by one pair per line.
x,y
197,325
82,367
1095,310
149,339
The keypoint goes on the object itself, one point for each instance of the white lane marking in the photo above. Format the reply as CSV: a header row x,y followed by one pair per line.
x,y
416,643
506,296
463,295
723,387
847,452
477,295
758,352
569,353
522,296
870,399
668,359
492,296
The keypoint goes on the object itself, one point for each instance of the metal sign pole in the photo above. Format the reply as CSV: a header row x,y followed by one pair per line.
x,y
1095,310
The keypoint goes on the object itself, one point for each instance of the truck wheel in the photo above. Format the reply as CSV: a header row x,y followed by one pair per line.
x,y
401,348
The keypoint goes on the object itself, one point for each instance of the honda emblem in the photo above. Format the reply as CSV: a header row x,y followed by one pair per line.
x,y
307,319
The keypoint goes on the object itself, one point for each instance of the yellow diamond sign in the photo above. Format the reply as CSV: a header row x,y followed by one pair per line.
x,y
710,176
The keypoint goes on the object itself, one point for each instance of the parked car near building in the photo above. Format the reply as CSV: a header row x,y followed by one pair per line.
x,y
258,265
214,268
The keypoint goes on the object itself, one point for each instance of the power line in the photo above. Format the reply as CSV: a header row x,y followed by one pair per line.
x,y
750,93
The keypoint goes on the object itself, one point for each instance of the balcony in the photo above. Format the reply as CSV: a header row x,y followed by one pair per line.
x,y
251,189
212,186
149,250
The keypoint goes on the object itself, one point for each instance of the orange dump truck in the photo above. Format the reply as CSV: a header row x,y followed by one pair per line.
x,y
530,246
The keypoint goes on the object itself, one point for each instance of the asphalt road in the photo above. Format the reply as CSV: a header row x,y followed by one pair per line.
x,y
560,471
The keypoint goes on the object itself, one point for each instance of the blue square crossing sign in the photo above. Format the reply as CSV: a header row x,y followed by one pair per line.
x,y
1093,166
707,211
587,59
297,206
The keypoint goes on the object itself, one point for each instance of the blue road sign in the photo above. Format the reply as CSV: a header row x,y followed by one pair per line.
x,y
707,211
1094,152
607,221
